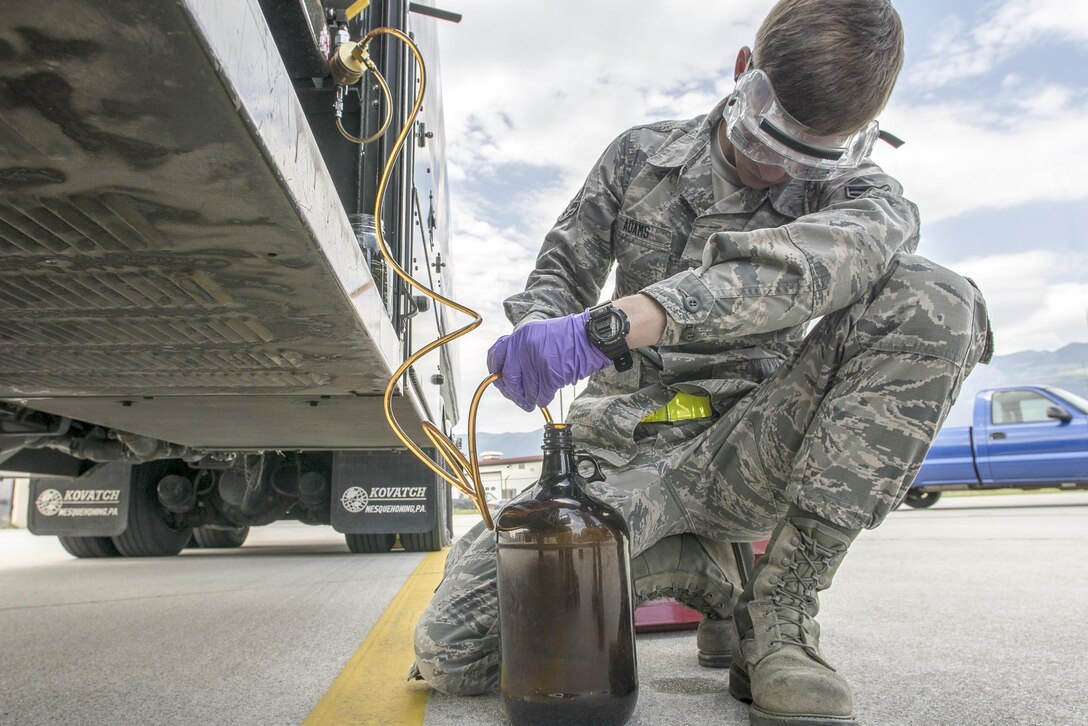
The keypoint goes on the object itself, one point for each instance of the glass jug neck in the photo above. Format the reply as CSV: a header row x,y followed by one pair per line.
x,y
558,451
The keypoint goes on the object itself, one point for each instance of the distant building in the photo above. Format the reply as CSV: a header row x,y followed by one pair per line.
x,y
14,495
7,495
504,478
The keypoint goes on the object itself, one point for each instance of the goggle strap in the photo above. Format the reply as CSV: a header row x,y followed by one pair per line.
x,y
891,139
797,145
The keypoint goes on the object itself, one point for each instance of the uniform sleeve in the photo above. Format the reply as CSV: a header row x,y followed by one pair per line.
x,y
768,279
577,253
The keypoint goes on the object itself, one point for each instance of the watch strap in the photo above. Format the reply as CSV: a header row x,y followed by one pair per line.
x,y
614,346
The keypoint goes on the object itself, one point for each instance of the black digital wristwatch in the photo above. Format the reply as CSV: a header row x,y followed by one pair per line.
x,y
607,328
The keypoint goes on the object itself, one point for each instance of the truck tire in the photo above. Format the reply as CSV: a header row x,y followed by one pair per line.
x,y
209,538
362,544
921,500
88,546
149,532
432,541
440,536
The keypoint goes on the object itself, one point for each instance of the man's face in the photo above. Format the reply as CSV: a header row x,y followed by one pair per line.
x,y
758,176
752,174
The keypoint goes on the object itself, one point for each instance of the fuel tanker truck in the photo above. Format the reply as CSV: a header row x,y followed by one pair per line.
x,y
197,327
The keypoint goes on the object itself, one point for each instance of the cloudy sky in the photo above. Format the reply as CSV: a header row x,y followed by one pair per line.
x,y
991,102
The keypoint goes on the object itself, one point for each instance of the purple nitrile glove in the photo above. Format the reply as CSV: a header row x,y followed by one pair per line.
x,y
542,356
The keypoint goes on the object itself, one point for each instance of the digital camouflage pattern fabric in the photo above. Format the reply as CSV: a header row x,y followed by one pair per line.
x,y
835,421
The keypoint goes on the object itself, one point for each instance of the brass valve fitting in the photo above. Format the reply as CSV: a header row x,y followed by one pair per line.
x,y
349,63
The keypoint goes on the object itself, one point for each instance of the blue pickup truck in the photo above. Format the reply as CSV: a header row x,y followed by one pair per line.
x,y
1023,437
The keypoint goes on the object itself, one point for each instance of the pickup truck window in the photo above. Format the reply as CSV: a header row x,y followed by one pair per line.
x,y
1071,398
1019,407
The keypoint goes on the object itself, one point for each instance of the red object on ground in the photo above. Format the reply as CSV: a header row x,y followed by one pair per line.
x,y
666,614
658,616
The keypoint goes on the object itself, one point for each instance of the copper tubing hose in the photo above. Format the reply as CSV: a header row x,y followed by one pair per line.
x,y
460,471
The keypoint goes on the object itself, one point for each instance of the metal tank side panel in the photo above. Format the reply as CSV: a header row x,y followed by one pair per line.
x,y
169,233
431,227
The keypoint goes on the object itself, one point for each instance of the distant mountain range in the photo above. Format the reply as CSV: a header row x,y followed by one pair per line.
x,y
520,443
1064,368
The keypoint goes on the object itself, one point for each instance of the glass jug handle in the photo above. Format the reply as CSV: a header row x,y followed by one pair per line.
x,y
583,457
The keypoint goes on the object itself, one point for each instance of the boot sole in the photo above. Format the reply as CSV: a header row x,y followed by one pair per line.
x,y
740,688
758,717
715,660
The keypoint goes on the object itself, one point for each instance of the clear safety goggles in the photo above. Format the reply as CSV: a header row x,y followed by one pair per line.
x,y
766,133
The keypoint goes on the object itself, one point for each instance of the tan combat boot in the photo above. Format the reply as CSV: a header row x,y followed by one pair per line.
x,y
778,667
700,574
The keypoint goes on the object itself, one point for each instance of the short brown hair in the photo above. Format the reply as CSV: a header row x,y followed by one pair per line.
x,y
833,63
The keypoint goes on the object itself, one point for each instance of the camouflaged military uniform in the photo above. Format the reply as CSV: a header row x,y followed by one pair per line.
x,y
836,422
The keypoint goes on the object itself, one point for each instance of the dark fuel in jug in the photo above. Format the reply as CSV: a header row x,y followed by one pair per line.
x,y
565,600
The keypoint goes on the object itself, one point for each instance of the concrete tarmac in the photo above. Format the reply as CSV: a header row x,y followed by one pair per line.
x,y
971,612
248,636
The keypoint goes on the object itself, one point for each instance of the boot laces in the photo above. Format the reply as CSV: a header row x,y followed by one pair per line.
x,y
795,592
703,601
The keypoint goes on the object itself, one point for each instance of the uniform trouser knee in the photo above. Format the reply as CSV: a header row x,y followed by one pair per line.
x,y
842,428
906,349
923,309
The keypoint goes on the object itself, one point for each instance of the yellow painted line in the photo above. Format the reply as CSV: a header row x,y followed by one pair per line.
x,y
372,688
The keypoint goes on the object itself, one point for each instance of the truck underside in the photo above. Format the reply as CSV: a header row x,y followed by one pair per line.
x,y
183,299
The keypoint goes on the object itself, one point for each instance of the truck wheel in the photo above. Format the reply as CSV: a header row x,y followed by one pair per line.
x,y
362,544
921,500
209,538
438,537
149,532
431,541
89,546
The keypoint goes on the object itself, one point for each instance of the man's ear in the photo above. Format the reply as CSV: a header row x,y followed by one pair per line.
x,y
744,62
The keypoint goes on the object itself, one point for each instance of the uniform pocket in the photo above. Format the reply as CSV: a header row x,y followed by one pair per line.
x,y
642,251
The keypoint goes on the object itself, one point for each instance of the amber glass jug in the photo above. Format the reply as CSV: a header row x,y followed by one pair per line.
x,y
565,599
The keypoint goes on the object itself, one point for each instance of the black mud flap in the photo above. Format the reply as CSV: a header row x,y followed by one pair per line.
x,y
92,505
382,492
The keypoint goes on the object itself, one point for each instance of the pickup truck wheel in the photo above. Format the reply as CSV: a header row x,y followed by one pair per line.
x,y
89,546
362,544
150,533
209,538
921,500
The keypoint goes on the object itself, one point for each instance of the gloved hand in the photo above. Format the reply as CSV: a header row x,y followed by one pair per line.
x,y
542,356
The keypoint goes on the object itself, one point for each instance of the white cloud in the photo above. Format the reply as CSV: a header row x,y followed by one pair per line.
x,y
1007,150
1038,299
958,52
549,84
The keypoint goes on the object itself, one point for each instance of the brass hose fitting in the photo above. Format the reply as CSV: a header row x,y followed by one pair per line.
x,y
349,63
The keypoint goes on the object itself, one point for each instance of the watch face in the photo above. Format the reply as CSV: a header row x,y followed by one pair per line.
x,y
607,328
